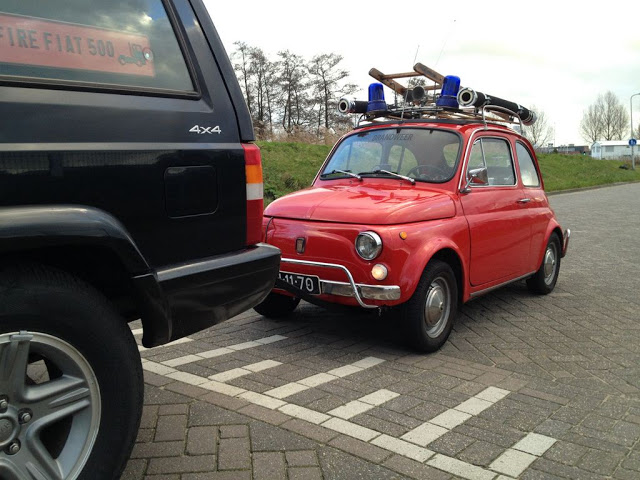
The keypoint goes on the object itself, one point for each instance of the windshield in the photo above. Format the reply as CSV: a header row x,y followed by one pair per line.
x,y
427,155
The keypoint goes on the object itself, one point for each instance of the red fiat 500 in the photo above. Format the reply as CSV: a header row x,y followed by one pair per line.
x,y
417,214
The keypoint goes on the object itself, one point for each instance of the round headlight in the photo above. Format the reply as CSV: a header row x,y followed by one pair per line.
x,y
368,245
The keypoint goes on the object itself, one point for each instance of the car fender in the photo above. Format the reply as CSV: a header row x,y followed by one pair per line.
x,y
439,239
552,227
28,228
25,228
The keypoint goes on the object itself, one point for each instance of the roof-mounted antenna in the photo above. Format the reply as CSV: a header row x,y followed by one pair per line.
x,y
406,94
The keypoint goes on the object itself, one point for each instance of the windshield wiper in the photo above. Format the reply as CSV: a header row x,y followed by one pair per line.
x,y
387,172
345,172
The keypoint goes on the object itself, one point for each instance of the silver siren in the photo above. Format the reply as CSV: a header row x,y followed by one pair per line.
x,y
349,105
467,97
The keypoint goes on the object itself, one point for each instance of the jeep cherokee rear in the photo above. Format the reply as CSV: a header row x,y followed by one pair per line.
x,y
129,188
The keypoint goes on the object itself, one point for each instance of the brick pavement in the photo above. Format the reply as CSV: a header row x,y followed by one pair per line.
x,y
527,387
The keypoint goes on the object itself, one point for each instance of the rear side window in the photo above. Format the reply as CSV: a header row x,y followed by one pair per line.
x,y
119,43
528,171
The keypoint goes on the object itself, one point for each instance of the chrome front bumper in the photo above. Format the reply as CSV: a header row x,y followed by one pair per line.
x,y
351,288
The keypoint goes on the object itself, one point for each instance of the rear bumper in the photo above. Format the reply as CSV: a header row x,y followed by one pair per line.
x,y
212,290
565,241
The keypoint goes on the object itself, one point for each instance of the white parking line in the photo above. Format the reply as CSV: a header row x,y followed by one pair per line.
x,y
429,431
216,352
518,458
314,380
513,462
246,370
363,404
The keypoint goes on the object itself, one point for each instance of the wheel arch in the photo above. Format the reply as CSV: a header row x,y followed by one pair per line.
x,y
94,246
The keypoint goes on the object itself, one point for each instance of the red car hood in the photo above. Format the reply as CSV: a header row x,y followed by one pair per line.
x,y
372,204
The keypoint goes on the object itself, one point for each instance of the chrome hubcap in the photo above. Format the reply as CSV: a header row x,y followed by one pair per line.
x,y
550,264
49,407
437,307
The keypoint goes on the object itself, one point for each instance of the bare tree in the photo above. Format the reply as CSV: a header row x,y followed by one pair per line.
x,y
606,119
539,133
591,123
242,65
263,73
328,86
615,119
293,86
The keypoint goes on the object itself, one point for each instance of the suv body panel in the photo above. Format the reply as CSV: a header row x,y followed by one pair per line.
x,y
126,169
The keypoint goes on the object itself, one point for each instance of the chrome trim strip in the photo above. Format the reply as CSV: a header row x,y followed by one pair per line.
x,y
352,283
373,292
490,289
115,146
565,241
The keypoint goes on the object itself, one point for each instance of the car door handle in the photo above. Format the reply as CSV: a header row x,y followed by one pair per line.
x,y
524,200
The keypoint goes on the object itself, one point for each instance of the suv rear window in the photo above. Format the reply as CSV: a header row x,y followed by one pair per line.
x,y
120,43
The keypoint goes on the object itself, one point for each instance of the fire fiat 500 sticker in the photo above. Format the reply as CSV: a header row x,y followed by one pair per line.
x,y
47,43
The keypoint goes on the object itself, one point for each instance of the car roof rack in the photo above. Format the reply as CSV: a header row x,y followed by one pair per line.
x,y
435,97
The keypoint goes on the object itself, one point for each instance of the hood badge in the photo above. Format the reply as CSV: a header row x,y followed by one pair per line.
x,y
301,242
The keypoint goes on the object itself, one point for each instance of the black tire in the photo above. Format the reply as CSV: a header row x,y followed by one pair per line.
x,y
277,305
544,280
71,332
429,314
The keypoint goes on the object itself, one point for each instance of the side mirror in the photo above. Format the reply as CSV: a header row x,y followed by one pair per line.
x,y
476,176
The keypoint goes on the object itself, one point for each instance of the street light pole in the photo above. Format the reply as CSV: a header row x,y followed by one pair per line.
x,y
633,157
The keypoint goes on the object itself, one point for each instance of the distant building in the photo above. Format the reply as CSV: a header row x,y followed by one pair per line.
x,y
611,150
570,149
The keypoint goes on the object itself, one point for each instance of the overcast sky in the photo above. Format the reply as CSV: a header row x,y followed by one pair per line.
x,y
555,55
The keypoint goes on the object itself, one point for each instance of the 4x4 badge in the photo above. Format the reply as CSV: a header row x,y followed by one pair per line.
x,y
203,130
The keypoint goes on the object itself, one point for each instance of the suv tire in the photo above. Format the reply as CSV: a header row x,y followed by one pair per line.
x,y
61,340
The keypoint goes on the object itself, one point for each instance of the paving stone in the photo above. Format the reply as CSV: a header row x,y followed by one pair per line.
x,y
161,466
480,453
603,463
134,470
305,473
228,475
564,452
158,449
459,468
234,431
266,438
311,431
301,458
367,451
234,454
269,465
170,427
414,469
202,440
264,414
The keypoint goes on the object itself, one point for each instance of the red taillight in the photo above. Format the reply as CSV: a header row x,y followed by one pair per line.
x,y
255,201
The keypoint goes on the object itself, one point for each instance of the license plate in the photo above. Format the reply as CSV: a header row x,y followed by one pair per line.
x,y
306,283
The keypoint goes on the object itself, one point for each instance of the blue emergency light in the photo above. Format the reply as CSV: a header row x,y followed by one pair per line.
x,y
376,98
449,93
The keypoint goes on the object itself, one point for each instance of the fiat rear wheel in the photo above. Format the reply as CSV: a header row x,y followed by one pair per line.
x,y
277,305
544,280
430,312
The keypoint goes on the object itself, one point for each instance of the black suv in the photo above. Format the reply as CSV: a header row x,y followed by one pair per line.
x,y
129,189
